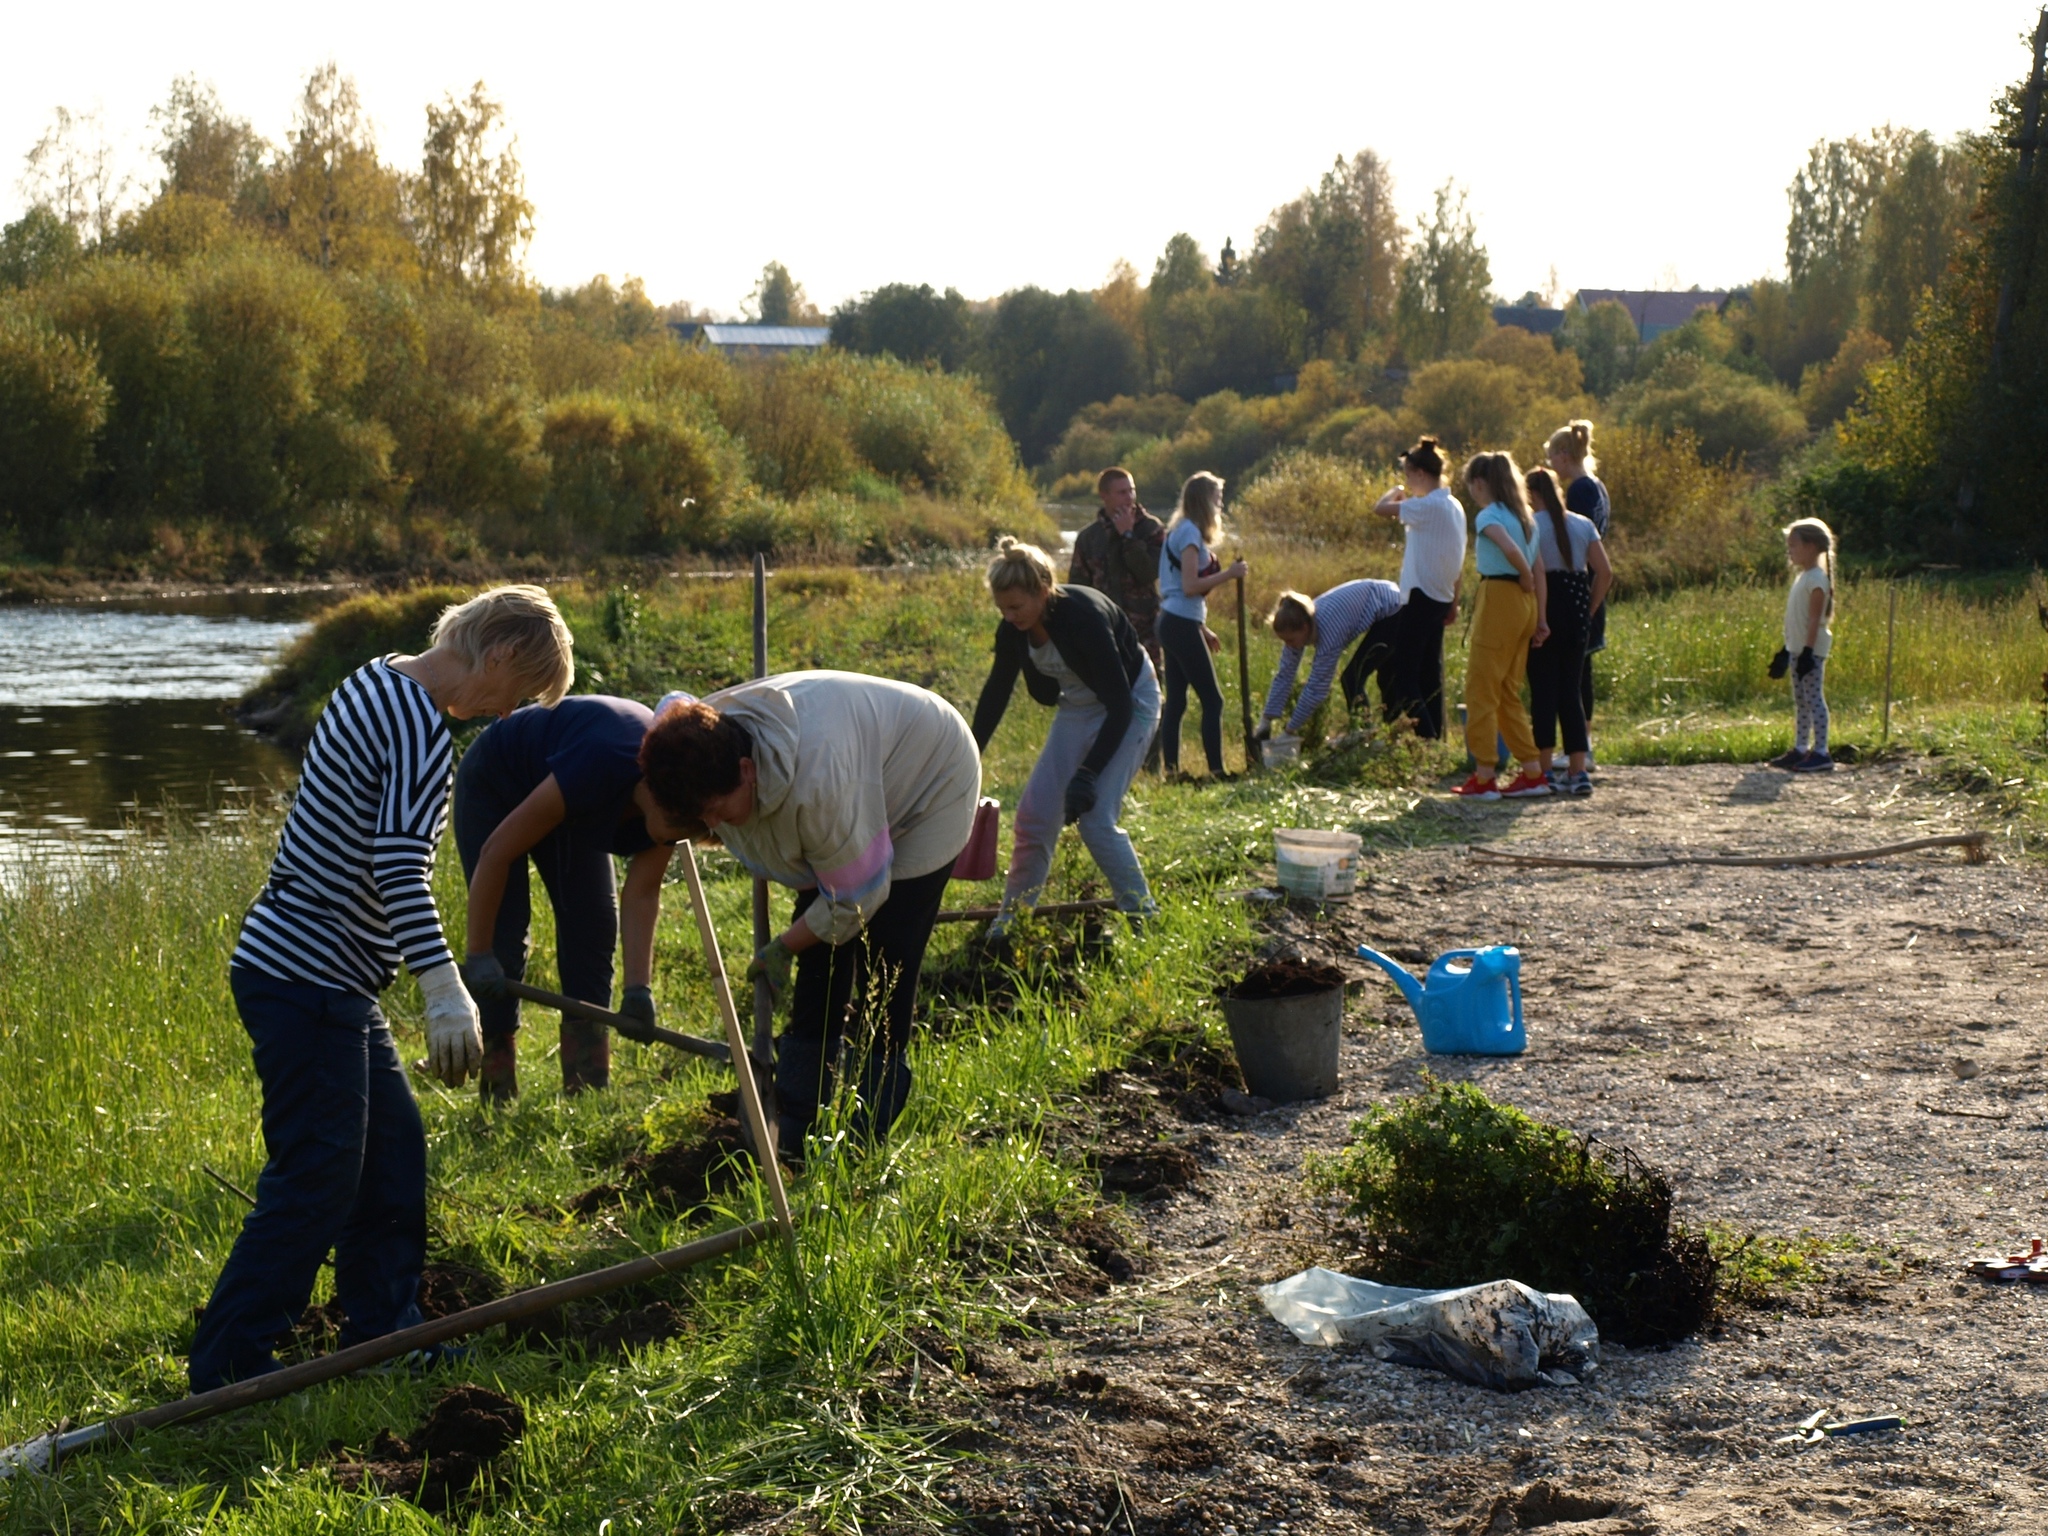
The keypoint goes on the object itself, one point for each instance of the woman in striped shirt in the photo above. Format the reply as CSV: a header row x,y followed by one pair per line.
x,y
347,901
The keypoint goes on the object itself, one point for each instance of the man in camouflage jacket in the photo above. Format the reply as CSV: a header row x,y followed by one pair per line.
x,y
1118,555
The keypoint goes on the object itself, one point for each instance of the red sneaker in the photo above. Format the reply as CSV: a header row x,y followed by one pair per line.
x,y
1527,786
1476,788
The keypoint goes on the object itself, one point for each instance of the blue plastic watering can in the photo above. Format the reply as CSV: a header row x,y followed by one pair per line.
x,y
1471,1002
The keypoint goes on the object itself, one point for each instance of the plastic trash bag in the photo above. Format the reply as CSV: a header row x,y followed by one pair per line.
x,y
1501,1334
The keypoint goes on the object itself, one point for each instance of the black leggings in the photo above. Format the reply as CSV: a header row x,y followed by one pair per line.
x,y
1556,666
1418,663
579,878
1189,665
831,994
1375,659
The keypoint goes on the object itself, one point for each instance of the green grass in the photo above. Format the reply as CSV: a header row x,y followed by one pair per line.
x,y
127,1071
123,1069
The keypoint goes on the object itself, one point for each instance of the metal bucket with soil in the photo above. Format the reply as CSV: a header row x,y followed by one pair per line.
x,y
1285,1017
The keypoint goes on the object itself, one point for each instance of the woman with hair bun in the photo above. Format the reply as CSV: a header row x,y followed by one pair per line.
x,y
1432,564
1079,654
858,793
1570,451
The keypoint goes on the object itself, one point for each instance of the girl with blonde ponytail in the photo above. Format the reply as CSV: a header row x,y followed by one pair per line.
x,y
1810,547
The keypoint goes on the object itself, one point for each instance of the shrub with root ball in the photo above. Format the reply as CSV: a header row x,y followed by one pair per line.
x,y
1456,1188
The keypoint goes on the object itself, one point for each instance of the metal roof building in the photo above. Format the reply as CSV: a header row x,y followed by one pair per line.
x,y
752,340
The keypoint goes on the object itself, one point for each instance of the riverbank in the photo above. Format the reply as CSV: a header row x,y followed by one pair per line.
x,y
992,1327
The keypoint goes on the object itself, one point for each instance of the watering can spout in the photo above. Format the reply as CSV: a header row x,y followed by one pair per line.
x,y
1410,987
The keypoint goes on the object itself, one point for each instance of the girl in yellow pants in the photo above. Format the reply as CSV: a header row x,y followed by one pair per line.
x,y
1507,620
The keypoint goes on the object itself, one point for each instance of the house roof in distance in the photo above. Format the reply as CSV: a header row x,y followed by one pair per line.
x,y
777,338
1655,309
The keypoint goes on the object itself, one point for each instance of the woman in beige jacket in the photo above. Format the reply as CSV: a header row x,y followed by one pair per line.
x,y
859,794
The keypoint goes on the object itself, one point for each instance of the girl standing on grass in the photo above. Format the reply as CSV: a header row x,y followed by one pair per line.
x,y
1507,620
1809,606
348,901
1576,577
1188,573
1079,652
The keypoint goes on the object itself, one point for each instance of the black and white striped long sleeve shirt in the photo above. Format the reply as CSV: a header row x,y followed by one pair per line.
x,y
348,894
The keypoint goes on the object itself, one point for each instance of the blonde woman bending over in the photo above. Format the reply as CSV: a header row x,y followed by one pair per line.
x,y
1079,654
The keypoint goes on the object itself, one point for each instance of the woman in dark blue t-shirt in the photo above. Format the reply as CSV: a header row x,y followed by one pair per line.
x,y
561,787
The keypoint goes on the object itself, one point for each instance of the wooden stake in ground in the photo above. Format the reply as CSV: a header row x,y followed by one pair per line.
x,y
750,1091
1891,628
764,998
1244,683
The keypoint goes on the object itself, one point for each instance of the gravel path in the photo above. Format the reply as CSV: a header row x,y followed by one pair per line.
x,y
1782,1043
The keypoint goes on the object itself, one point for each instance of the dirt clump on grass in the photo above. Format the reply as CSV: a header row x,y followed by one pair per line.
x,y
454,1449
683,1179
596,1329
1149,1173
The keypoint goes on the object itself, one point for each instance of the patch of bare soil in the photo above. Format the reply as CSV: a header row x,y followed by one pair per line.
x,y
683,1178
452,1454
1848,1051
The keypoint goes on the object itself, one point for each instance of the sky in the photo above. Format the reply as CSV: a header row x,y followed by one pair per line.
x,y
986,147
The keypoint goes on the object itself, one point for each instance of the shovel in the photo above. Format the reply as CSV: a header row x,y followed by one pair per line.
x,y
717,1050
45,1453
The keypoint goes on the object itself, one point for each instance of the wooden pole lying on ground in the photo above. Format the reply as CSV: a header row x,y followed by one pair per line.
x,y
694,1044
1049,909
750,1090
45,1453
1252,755
1971,842
764,998
1891,627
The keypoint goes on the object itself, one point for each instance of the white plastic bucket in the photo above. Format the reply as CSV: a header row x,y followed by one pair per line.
x,y
1280,749
1316,865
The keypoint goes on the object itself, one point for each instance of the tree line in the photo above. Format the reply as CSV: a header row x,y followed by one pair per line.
x,y
304,356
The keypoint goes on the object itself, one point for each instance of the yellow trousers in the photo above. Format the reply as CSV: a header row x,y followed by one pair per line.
x,y
1496,662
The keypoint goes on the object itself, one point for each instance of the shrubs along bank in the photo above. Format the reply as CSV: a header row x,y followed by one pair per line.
x,y
239,409
301,357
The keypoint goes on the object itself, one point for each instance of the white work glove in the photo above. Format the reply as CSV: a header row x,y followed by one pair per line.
x,y
455,1040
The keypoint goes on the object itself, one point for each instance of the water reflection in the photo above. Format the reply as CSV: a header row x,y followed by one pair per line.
x,y
116,715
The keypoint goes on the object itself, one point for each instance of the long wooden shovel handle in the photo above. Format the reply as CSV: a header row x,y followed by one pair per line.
x,y
750,1090
717,1050
44,1453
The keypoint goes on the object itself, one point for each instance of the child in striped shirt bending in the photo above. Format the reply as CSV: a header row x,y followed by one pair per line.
x,y
346,902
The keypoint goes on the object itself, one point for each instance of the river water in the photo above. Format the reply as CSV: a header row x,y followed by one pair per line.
x,y
115,716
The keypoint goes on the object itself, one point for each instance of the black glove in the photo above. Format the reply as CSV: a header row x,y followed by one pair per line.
x,y
485,978
1806,663
1265,730
636,1014
1080,794
1780,663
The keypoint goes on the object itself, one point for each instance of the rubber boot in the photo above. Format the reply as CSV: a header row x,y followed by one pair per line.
x,y
586,1055
498,1080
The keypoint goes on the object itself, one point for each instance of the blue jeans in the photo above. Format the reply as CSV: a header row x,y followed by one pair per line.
x,y
347,1170
1041,809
